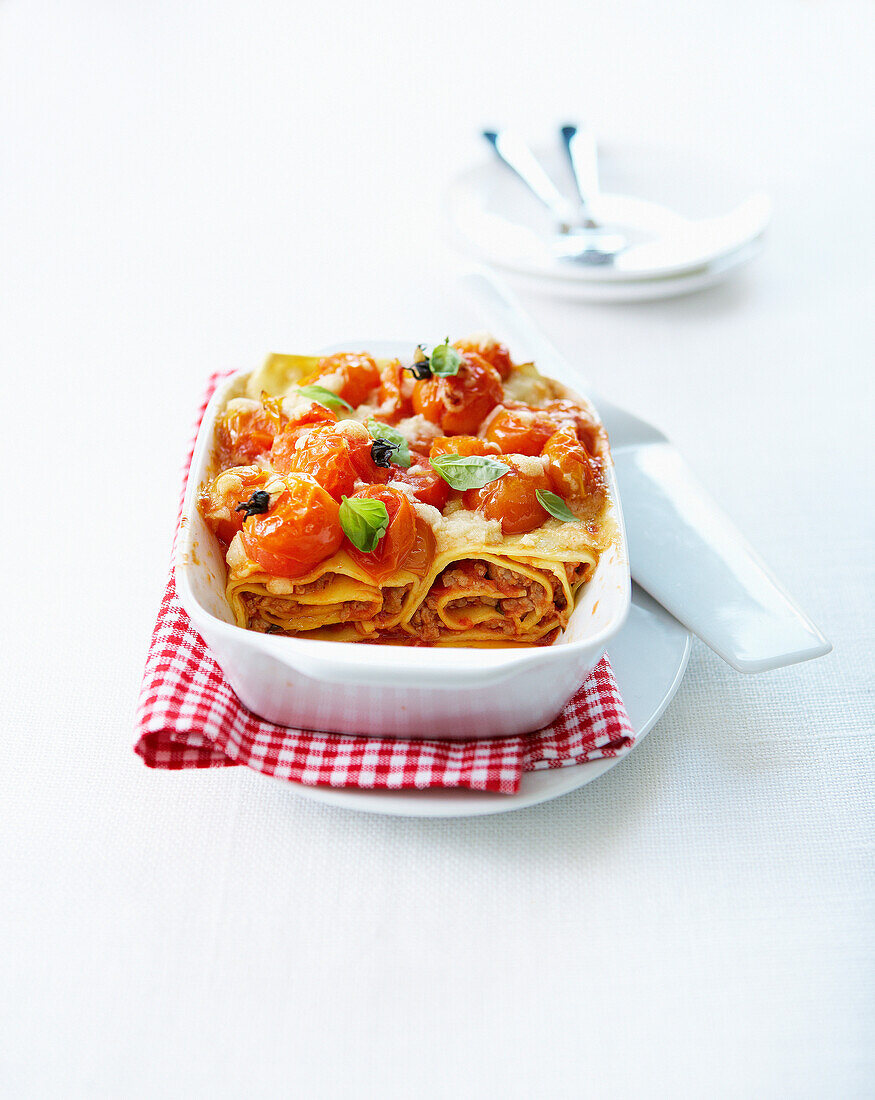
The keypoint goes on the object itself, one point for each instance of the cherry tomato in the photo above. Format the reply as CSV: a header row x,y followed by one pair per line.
x,y
218,501
588,432
245,431
520,430
465,445
335,459
495,354
300,529
392,379
460,402
511,499
357,373
399,538
427,484
286,438
574,474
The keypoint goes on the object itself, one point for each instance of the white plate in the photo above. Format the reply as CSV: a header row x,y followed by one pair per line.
x,y
649,658
643,290
492,217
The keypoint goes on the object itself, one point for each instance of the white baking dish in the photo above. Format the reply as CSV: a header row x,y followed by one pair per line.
x,y
392,691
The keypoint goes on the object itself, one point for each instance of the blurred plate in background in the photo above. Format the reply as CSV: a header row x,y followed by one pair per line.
x,y
492,217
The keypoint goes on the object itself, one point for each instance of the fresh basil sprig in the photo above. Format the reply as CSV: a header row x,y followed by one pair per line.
x,y
386,433
324,396
556,506
364,521
469,471
444,360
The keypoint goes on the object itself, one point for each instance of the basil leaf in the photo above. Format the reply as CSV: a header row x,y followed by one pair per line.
x,y
444,360
325,397
469,471
556,506
393,436
364,521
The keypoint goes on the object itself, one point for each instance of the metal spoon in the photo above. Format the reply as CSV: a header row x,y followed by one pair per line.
x,y
579,237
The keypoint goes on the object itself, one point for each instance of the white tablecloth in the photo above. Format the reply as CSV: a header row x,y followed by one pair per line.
x,y
186,186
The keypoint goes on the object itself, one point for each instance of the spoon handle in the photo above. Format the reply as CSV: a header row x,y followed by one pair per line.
x,y
580,145
520,159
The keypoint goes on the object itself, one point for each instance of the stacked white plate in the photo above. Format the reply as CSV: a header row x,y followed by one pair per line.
x,y
699,223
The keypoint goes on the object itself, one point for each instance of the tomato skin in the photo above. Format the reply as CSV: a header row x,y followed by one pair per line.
x,y
587,430
427,484
521,430
218,501
399,538
465,445
335,459
511,499
300,529
244,433
574,474
392,378
358,372
286,438
459,403
495,353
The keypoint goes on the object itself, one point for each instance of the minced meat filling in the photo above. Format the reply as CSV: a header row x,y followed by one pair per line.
x,y
279,607
518,596
393,600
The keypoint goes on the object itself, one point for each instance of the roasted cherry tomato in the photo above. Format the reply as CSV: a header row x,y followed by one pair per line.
x,y
334,457
218,501
394,404
465,445
521,430
495,354
300,529
511,499
245,431
399,538
427,484
588,432
286,438
460,402
574,474
356,375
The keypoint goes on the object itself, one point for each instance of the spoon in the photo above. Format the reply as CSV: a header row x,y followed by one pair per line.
x,y
579,236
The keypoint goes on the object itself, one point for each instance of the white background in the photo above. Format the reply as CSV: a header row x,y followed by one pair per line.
x,y
185,186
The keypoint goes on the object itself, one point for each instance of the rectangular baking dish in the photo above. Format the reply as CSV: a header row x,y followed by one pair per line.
x,y
392,691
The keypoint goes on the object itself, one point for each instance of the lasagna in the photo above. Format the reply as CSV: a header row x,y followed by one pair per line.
x,y
454,498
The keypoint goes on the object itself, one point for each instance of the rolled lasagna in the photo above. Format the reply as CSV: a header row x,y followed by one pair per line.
x,y
455,499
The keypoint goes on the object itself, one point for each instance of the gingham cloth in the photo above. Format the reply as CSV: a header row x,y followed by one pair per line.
x,y
188,717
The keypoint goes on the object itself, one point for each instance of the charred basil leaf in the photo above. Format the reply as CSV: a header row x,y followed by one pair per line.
x,y
444,360
324,397
420,368
364,521
385,433
381,453
556,506
469,471
259,502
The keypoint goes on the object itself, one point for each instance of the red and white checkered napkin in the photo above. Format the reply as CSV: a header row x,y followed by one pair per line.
x,y
188,717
